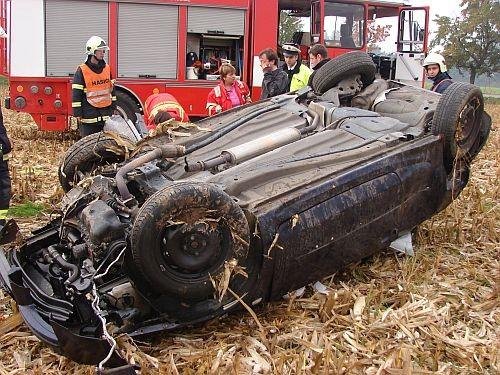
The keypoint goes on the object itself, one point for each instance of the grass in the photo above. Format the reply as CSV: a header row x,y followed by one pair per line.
x,y
28,209
490,90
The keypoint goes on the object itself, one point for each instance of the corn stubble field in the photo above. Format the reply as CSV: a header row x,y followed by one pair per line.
x,y
434,313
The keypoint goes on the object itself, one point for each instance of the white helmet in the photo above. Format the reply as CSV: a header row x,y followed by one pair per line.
x,y
95,43
435,58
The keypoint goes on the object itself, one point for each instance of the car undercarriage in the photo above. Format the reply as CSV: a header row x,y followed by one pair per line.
x,y
238,209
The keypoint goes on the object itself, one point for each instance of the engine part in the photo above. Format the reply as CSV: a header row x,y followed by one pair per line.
x,y
101,222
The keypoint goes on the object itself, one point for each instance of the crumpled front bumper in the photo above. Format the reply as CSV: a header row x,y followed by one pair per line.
x,y
46,315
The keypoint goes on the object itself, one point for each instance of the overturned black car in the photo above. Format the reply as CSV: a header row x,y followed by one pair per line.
x,y
239,208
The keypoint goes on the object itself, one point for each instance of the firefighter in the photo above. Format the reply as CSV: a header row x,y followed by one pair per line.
x,y
436,71
93,92
159,108
5,183
229,93
298,73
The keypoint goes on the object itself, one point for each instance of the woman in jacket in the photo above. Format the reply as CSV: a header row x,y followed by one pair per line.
x,y
229,93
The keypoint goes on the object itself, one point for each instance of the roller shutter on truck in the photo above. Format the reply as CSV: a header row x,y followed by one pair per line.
x,y
68,26
147,40
205,20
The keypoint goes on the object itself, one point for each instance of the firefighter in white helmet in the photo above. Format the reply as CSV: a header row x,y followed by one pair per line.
x,y
436,71
93,91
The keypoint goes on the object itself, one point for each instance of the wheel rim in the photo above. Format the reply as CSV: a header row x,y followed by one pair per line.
x,y
468,125
193,250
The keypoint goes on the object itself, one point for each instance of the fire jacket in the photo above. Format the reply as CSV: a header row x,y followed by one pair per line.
x,y
5,182
5,144
441,82
218,99
163,102
94,97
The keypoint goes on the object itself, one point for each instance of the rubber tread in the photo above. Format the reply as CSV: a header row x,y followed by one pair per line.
x,y
342,66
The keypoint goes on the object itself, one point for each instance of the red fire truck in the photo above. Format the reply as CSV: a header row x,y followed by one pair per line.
x,y
158,45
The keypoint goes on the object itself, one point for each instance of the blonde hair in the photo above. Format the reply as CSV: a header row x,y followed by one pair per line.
x,y
226,69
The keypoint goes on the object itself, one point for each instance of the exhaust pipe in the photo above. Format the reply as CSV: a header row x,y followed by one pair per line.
x,y
167,151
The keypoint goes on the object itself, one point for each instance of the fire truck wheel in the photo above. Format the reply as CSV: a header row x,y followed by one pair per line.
x,y
89,153
126,106
341,67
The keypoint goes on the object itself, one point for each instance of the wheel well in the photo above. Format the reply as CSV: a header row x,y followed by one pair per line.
x,y
132,95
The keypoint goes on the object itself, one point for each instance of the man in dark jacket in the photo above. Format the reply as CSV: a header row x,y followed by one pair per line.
x,y
275,80
5,183
318,56
436,71
93,90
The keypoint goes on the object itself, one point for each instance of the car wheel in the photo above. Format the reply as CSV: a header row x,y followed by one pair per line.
x,y
341,67
459,118
126,106
190,243
88,153
483,136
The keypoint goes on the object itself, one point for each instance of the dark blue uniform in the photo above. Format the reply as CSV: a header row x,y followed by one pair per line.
x,y
5,183
441,82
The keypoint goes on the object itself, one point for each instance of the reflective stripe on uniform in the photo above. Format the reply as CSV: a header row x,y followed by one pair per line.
x,y
94,120
77,86
113,98
3,214
5,157
165,106
98,86
76,104
213,108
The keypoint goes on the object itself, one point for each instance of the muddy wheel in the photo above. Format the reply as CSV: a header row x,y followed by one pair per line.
x,y
187,238
459,119
126,106
342,67
88,153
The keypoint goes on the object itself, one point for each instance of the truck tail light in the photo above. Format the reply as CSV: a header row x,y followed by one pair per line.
x,y
34,89
58,103
47,90
20,102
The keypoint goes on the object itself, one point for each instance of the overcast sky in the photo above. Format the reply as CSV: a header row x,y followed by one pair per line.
x,y
450,8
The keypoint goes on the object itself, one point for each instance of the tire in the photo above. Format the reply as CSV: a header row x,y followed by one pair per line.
x,y
459,119
342,67
126,106
181,240
85,155
482,137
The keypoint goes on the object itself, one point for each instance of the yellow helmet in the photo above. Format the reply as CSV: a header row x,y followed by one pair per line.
x,y
95,43
435,58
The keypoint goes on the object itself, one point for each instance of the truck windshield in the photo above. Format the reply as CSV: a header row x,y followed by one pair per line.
x,y
344,25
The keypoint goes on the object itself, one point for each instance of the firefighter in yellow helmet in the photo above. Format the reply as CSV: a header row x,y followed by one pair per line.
x,y
93,91
436,71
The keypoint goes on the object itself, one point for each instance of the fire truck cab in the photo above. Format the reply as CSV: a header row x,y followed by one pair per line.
x,y
177,46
